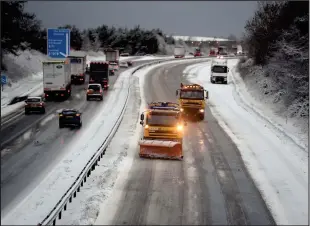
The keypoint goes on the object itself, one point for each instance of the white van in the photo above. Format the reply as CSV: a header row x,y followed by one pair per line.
x,y
219,72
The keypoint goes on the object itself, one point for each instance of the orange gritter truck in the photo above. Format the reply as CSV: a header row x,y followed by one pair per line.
x,y
163,129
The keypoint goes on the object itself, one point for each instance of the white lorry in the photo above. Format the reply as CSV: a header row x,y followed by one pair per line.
x,y
78,69
57,79
219,71
179,52
112,56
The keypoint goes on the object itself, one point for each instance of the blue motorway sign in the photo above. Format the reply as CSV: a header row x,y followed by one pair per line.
x,y
3,79
58,43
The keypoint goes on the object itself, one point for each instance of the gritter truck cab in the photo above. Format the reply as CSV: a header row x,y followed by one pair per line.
x,y
99,73
219,71
163,128
192,100
57,79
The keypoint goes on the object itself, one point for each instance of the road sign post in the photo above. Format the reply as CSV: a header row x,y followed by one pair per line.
x,y
3,81
58,43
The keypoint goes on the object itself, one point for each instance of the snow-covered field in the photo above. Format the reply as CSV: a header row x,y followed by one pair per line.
x,y
275,158
44,197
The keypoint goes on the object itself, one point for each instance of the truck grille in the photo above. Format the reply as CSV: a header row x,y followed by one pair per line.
x,y
163,134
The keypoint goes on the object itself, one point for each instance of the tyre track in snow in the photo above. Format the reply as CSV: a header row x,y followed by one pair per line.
x,y
211,184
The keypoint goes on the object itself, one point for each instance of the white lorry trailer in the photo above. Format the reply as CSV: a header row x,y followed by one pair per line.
x,y
219,72
179,52
112,56
57,79
78,69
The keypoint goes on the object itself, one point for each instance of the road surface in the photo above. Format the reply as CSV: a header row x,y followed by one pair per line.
x,y
210,186
33,144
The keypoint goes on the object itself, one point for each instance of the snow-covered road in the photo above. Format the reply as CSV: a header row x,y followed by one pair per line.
x,y
278,165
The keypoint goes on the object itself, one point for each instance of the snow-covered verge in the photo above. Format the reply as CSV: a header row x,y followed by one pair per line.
x,y
266,93
44,197
277,164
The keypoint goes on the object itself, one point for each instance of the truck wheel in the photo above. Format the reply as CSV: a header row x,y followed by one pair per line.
x,y
225,82
61,125
87,98
80,125
26,112
202,117
43,111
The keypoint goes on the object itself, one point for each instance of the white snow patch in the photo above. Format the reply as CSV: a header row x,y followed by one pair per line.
x,y
278,165
27,135
78,96
47,119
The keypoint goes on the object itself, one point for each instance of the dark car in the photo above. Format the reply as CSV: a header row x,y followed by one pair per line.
x,y
130,63
34,104
70,117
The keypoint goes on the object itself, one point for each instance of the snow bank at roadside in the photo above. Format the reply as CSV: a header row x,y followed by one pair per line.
x,y
276,163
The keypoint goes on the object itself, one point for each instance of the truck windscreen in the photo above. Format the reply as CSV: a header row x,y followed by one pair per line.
x,y
219,69
75,61
198,95
162,120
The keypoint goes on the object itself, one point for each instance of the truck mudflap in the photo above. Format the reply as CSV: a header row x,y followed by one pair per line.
x,y
161,149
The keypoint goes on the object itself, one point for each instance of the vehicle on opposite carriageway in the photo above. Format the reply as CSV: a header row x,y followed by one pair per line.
x,y
34,104
99,73
70,117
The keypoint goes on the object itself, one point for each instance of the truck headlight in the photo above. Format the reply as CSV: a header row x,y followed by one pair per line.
x,y
179,127
201,110
181,109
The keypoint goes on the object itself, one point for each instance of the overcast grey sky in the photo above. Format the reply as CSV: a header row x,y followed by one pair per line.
x,y
178,17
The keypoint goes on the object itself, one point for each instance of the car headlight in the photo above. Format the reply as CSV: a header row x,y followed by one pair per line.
x,y
179,127
202,110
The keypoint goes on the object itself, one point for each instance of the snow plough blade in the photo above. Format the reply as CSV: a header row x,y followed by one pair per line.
x,y
159,149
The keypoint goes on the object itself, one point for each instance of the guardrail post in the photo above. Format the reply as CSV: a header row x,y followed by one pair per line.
x,y
82,183
84,179
59,215
78,190
88,173
74,194
54,221
65,207
70,199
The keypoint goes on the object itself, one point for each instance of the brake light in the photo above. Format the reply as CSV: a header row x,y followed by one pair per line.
x,y
78,114
41,104
146,126
100,91
88,91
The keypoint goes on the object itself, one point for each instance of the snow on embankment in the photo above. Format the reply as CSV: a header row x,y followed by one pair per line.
x,y
277,163
276,98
